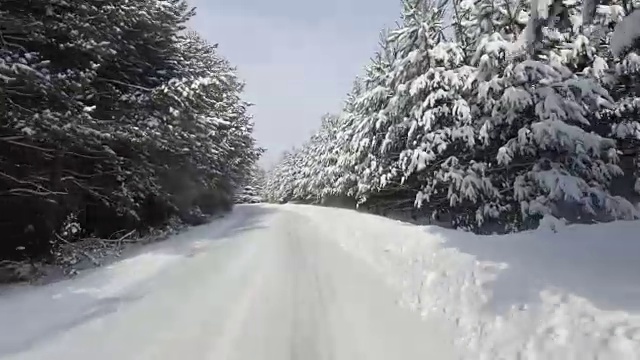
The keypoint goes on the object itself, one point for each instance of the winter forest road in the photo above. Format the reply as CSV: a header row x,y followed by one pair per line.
x,y
266,282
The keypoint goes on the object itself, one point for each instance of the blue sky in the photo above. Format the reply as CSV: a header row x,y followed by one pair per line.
x,y
298,58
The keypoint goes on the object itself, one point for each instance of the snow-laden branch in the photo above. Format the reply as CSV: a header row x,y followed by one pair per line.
x,y
626,34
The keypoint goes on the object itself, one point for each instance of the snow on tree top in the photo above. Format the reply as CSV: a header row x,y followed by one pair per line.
x,y
626,34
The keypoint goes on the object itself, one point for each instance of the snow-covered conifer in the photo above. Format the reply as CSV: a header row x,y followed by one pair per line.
x,y
120,127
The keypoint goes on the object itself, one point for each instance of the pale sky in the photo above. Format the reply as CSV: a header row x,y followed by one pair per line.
x,y
299,58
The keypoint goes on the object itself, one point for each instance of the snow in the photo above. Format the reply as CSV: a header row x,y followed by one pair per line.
x,y
264,283
626,34
34,314
275,282
571,293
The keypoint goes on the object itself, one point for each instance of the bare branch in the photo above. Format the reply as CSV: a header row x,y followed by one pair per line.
x,y
124,84
20,106
120,240
22,182
6,43
14,92
91,191
86,156
34,192
12,138
15,38
88,176
28,145
93,260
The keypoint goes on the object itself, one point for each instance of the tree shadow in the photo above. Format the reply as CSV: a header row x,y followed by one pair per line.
x,y
23,333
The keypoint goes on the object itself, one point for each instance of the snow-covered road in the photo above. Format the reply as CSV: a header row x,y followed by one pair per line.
x,y
266,282
302,282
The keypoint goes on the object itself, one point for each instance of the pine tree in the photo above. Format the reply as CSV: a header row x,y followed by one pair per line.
x,y
111,113
521,115
369,117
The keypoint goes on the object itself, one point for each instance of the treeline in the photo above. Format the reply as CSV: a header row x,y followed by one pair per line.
x,y
486,115
113,117
253,188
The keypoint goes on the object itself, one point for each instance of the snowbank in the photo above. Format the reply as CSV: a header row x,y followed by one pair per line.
x,y
574,294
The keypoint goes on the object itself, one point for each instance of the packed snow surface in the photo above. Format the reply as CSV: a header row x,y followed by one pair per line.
x,y
265,282
302,282
570,294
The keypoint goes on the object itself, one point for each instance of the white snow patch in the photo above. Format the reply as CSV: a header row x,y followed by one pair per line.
x,y
126,274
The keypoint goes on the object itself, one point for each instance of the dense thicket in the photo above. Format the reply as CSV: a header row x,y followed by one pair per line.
x,y
486,115
112,116
251,191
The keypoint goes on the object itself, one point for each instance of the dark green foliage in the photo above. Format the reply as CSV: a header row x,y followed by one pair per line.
x,y
113,116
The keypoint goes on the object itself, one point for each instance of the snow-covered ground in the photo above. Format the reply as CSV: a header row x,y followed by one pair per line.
x,y
574,294
303,282
266,282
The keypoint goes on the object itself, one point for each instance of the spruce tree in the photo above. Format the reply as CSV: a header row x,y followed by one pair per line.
x,y
111,113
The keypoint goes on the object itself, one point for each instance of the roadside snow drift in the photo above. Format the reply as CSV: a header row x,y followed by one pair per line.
x,y
574,294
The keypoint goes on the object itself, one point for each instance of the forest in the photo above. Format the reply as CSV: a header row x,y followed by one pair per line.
x,y
485,115
115,119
